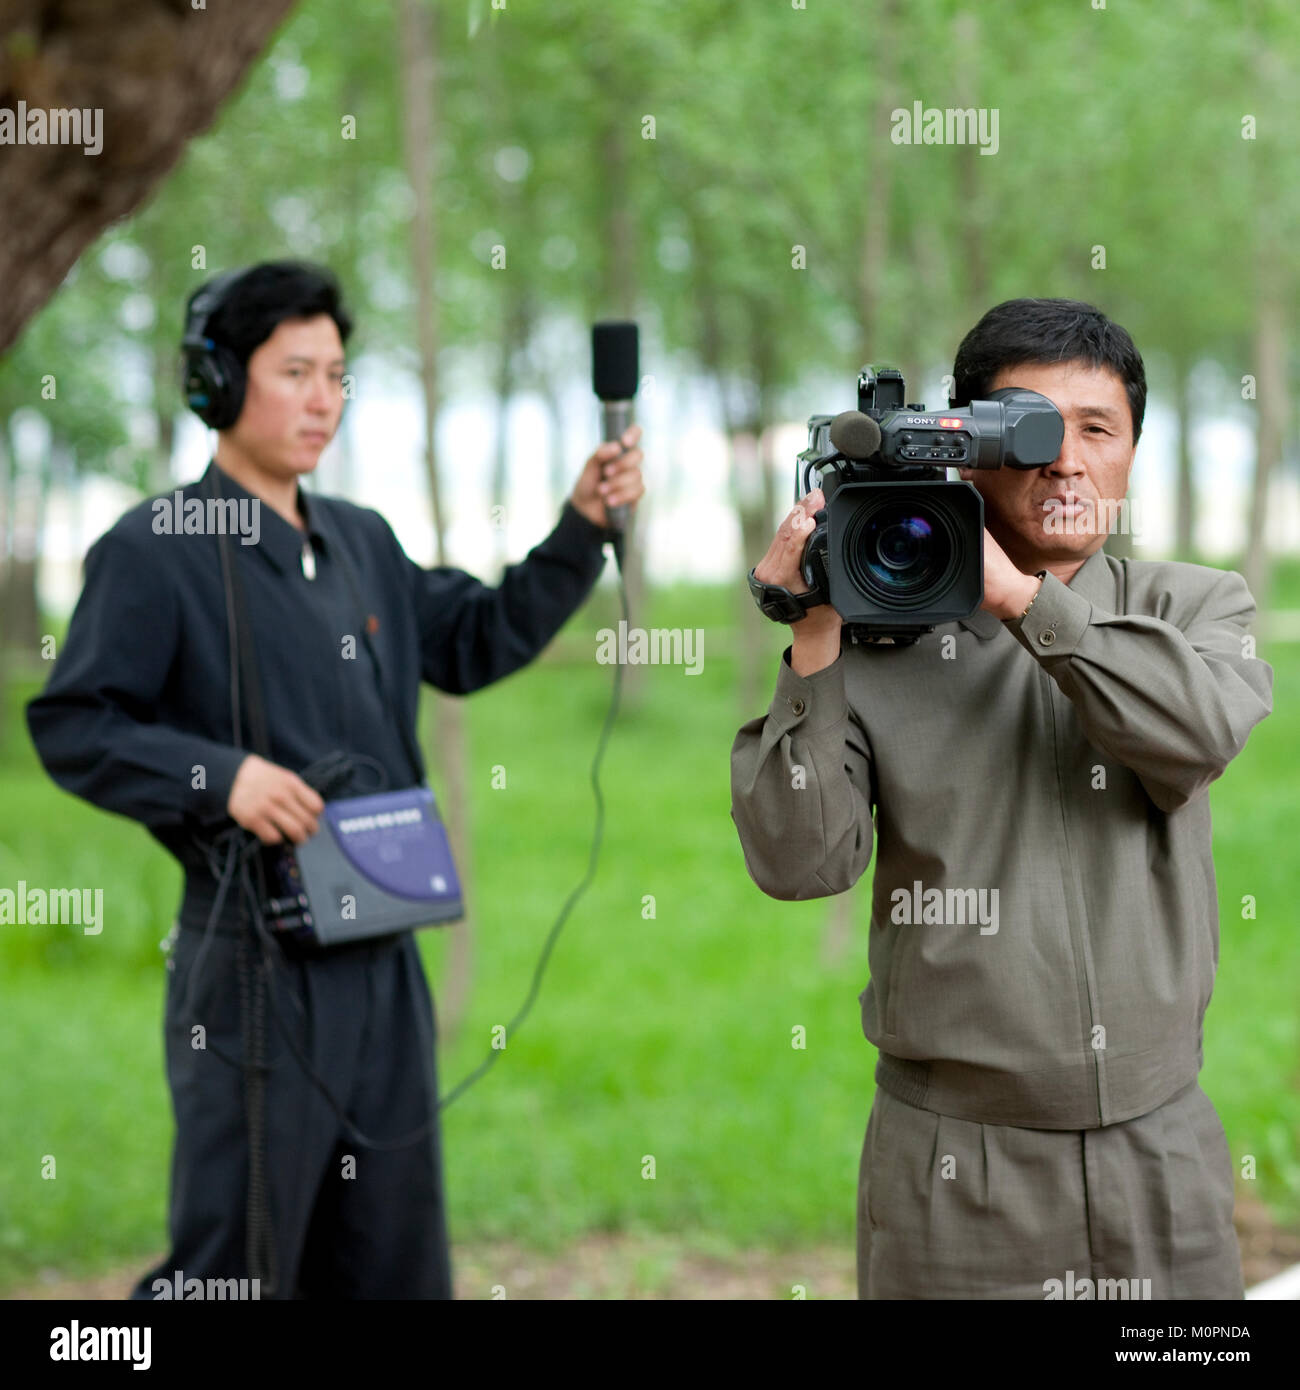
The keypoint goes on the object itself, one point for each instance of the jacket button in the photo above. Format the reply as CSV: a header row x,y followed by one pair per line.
x,y
797,706
1046,637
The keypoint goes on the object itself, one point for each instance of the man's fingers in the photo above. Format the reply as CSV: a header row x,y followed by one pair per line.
x,y
297,824
265,831
279,823
782,563
307,796
795,526
621,469
613,448
623,483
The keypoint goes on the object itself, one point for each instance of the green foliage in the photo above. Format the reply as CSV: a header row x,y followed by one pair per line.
x,y
1119,128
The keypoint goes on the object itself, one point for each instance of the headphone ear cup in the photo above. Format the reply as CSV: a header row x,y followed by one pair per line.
x,y
199,383
213,385
232,382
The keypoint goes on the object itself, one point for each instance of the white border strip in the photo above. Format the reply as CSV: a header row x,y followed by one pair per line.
x,y
1284,1285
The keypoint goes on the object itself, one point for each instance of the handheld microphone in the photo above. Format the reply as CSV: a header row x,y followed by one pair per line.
x,y
614,375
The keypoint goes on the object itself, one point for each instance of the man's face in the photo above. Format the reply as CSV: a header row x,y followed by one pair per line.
x,y
294,397
1063,510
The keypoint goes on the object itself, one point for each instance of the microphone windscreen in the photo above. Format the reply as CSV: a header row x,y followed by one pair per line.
x,y
614,366
855,435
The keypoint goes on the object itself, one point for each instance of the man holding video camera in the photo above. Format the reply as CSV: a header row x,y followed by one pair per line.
x,y
1044,930
269,1180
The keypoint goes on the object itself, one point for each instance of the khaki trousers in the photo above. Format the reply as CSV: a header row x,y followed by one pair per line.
x,y
952,1209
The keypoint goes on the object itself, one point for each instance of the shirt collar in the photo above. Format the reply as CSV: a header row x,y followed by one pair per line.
x,y
278,540
1093,579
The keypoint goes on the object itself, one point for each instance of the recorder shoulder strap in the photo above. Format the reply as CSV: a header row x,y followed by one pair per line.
x,y
245,680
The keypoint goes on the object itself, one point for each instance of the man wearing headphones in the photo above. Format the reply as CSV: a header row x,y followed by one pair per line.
x,y
269,1180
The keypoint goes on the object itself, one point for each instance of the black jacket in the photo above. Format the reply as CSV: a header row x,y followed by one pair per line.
x,y
137,717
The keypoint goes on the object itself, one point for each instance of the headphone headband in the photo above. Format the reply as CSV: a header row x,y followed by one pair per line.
x,y
204,304
213,378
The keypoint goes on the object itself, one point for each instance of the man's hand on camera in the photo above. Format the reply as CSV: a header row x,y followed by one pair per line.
x,y
272,802
1007,590
611,475
815,638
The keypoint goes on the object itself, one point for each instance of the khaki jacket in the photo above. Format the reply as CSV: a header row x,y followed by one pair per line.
x,y
1048,777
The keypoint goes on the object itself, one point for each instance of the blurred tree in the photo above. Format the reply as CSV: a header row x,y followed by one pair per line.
x,y
418,30
155,71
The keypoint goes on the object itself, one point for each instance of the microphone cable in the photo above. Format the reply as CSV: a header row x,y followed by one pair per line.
x,y
597,836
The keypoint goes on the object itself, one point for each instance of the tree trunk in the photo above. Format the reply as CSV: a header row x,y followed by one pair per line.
x,y
1271,401
557,467
515,329
418,62
755,537
712,356
877,183
751,451
500,454
1185,489
971,200
158,71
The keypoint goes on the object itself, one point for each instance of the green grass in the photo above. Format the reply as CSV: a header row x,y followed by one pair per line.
x,y
667,1037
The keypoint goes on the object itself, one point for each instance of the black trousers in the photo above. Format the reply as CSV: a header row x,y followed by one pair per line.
x,y
345,1220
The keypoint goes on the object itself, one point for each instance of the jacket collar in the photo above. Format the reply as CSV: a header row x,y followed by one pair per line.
x,y
1093,579
279,542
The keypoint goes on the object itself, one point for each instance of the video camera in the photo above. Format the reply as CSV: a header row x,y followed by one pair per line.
x,y
897,548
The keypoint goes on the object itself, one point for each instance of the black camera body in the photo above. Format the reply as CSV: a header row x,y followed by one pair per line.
x,y
898,548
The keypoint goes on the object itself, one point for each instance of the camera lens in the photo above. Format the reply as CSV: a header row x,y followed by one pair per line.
x,y
901,544
901,551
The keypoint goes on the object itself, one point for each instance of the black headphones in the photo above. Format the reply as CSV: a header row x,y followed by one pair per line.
x,y
213,379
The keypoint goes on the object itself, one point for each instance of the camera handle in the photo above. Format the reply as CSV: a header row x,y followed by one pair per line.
x,y
777,602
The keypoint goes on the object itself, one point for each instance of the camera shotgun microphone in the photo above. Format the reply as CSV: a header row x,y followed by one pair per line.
x,y
852,435
855,435
614,374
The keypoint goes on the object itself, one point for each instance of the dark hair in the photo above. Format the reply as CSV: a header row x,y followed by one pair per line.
x,y
1047,330
264,296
